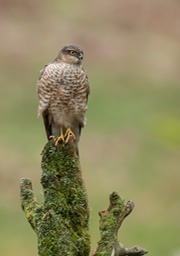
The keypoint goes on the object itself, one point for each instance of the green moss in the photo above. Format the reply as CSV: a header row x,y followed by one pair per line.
x,y
109,225
110,222
61,223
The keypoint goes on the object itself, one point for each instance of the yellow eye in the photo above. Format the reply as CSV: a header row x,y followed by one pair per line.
x,y
72,52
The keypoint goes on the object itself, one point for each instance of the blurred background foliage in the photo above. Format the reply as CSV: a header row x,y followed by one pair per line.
x,y
131,143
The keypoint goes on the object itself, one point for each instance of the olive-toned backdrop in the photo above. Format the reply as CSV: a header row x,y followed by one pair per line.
x,y
131,143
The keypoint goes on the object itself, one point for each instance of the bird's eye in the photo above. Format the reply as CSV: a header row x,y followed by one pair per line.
x,y
72,52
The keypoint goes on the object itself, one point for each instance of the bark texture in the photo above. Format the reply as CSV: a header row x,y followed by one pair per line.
x,y
61,221
110,222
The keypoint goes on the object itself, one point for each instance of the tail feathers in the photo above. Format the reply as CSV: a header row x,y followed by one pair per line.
x,y
77,149
47,125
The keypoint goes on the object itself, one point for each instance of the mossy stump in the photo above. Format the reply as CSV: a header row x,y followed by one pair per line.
x,y
61,221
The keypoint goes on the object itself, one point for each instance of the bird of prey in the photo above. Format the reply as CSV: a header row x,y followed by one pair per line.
x,y
63,91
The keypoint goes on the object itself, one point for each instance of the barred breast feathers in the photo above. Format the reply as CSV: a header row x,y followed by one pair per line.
x,y
53,75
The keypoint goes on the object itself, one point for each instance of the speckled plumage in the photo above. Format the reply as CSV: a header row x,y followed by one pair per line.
x,y
63,91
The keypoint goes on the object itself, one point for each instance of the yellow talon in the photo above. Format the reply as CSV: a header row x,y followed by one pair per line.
x,y
57,139
52,137
64,138
69,134
60,138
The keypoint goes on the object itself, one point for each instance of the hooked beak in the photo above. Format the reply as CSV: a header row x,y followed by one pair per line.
x,y
80,56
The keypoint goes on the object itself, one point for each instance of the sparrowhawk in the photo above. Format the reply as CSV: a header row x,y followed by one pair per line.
x,y
63,91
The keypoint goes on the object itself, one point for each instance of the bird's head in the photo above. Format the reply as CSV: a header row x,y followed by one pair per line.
x,y
71,54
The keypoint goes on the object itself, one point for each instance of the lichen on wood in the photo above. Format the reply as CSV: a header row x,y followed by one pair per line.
x,y
61,221
110,222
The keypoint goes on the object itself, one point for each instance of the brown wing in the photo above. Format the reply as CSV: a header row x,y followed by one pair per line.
x,y
44,93
87,86
87,93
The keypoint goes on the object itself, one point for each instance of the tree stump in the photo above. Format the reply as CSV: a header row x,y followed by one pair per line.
x,y
61,222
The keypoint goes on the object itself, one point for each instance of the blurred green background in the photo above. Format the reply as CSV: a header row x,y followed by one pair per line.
x,y
131,143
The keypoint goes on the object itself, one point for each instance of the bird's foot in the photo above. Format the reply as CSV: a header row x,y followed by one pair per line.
x,y
69,135
57,139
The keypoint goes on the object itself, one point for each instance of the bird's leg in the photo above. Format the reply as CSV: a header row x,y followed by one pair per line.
x,y
69,134
58,139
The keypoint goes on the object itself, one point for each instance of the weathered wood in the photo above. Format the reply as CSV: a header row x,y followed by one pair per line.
x,y
61,222
110,222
